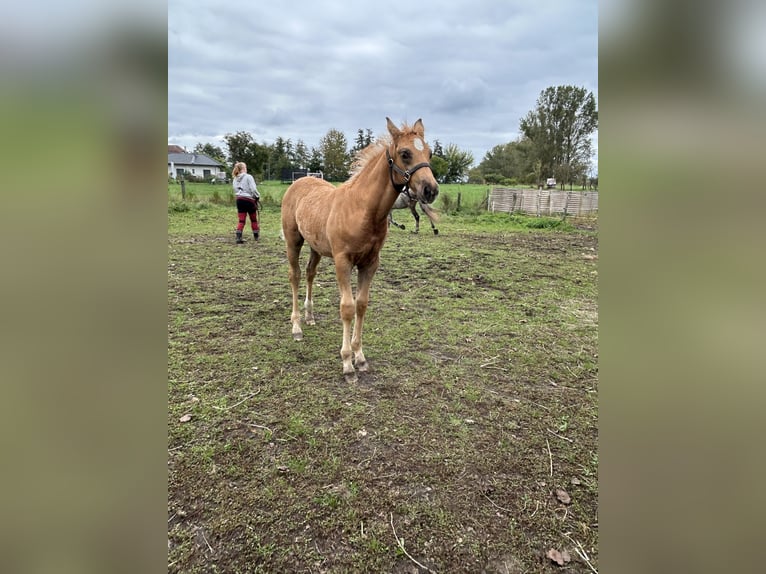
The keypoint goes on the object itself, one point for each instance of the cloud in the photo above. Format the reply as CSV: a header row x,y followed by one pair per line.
x,y
470,69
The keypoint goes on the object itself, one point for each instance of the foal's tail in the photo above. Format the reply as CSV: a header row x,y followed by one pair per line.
x,y
430,212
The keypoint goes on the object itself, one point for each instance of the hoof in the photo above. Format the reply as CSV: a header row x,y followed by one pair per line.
x,y
436,232
310,322
363,367
298,336
350,378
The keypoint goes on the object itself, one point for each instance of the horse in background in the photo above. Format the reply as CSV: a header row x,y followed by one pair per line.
x,y
405,200
350,223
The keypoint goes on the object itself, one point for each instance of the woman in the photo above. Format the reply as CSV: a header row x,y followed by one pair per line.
x,y
247,196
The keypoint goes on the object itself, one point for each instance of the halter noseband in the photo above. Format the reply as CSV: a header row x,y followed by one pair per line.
x,y
405,173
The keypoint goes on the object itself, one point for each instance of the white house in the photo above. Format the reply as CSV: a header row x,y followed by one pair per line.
x,y
196,164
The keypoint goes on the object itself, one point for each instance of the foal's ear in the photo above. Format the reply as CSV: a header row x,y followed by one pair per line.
x,y
418,127
392,129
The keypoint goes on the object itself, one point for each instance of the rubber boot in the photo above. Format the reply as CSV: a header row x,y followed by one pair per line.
x,y
255,235
239,237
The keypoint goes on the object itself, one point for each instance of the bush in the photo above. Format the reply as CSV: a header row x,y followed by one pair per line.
x,y
177,207
226,199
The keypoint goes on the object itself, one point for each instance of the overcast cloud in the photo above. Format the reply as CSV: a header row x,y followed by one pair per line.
x,y
471,69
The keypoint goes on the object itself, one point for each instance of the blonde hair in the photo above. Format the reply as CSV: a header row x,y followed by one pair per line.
x,y
239,167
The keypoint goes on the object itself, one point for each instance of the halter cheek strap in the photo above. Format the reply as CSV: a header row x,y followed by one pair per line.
x,y
405,173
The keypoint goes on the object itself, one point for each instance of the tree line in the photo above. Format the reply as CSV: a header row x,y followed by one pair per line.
x,y
554,142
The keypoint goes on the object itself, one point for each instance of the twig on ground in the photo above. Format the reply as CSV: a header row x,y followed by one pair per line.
x,y
202,532
250,396
558,435
261,427
537,506
495,505
382,476
539,405
581,552
550,456
400,543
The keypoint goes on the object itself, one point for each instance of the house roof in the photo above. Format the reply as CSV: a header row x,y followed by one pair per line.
x,y
191,159
175,149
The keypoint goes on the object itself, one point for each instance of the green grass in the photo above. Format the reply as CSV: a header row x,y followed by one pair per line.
x,y
471,195
481,400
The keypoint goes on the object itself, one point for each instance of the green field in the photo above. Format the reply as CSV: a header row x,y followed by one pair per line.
x,y
471,196
469,446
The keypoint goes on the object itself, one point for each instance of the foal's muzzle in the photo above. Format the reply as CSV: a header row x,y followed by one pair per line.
x,y
430,192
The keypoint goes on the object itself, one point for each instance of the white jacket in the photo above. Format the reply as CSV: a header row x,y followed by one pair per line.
x,y
244,186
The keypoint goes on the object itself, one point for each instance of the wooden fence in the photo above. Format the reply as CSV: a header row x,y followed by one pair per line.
x,y
542,201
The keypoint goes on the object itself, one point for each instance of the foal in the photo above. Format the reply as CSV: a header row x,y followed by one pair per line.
x,y
349,223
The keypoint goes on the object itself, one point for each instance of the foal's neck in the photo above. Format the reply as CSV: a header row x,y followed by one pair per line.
x,y
374,188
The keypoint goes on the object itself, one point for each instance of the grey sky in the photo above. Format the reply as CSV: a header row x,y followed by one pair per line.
x,y
469,68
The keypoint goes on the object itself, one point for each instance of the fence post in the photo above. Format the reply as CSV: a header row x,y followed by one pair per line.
x,y
458,201
183,188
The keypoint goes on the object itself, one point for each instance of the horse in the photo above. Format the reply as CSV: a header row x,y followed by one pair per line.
x,y
350,223
405,200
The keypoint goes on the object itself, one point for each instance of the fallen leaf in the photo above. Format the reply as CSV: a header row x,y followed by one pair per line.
x,y
555,556
185,419
559,558
563,496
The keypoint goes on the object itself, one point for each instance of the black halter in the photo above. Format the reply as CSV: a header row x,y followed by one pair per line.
x,y
405,173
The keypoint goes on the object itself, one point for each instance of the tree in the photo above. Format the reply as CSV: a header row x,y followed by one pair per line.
x,y
315,160
458,163
211,151
238,145
559,129
362,139
437,148
335,158
280,157
439,167
508,163
301,155
242,147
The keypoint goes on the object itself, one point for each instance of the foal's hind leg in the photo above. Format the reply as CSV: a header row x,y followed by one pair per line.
x,y
311,272
293,253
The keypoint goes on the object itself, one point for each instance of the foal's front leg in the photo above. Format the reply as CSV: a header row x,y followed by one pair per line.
x,y
347,308
365,275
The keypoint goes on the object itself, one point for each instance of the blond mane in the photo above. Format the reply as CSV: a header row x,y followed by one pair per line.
x,y
368,154
372,151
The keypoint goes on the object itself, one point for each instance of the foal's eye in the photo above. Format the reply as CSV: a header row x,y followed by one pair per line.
x,y
406,154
